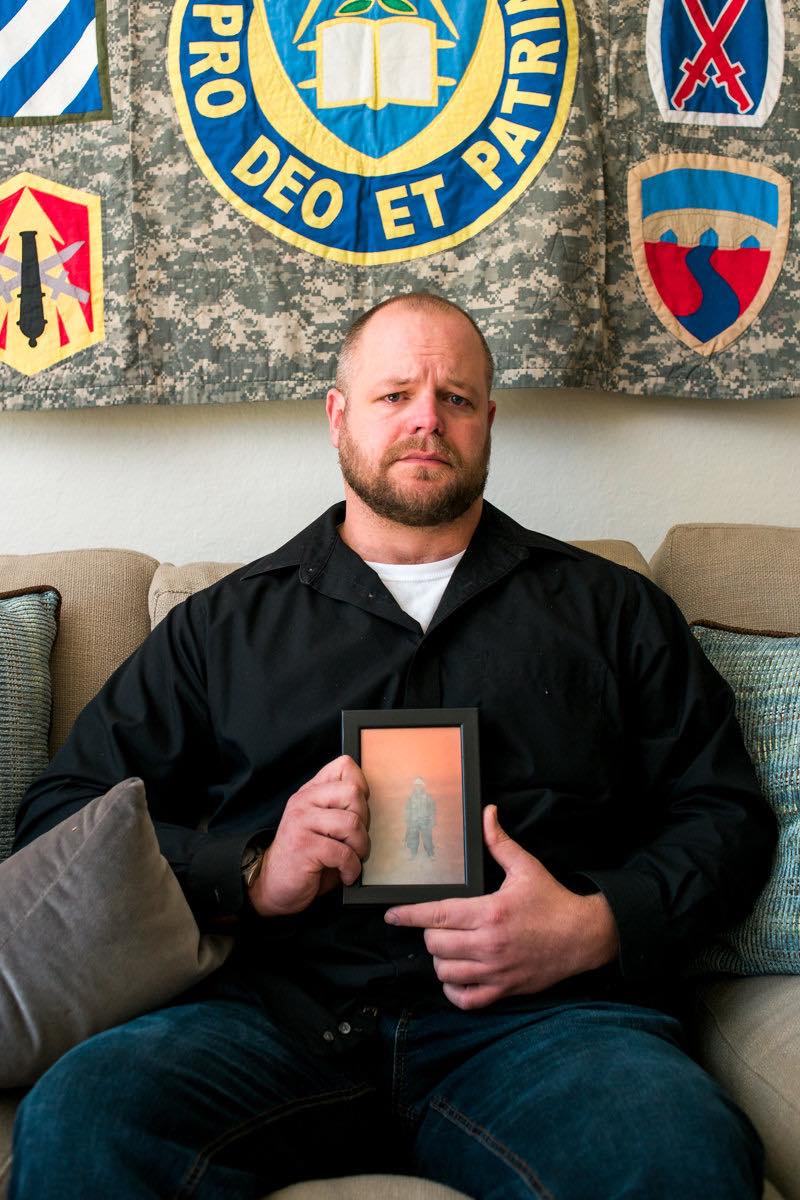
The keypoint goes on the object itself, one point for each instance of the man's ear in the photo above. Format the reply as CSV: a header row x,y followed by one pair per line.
x,y
492,411
334,407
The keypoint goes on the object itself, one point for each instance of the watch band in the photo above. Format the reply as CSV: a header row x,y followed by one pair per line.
x,y
252,859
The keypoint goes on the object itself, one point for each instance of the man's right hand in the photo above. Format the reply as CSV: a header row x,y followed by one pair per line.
x,y
321,840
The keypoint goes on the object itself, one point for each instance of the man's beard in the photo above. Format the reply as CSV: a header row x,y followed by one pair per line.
x,y
449,501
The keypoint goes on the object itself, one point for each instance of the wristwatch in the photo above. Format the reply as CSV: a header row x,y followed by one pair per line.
x,y
252,858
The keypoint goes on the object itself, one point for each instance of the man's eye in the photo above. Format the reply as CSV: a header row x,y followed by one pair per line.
x,y
392,397
458,401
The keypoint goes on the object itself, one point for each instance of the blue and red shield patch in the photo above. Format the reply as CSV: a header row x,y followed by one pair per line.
x,y
715,62
708,236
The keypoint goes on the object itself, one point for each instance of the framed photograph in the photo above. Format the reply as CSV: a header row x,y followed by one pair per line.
x,y
426,835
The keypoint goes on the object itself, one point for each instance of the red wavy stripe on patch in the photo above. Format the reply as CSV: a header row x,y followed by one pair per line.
x,y
676,286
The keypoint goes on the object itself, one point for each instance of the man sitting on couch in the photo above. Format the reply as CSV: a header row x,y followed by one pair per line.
x,y
519,1043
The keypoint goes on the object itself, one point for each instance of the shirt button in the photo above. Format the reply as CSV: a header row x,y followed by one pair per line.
x,y
328,1036
344,1027
411,957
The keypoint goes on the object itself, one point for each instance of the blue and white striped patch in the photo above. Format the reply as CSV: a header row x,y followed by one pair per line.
x,y
49,59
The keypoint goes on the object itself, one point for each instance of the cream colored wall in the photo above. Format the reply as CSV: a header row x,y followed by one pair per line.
x,y
232,482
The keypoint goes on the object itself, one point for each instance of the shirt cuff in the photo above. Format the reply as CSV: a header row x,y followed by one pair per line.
x,y
636,904
214,884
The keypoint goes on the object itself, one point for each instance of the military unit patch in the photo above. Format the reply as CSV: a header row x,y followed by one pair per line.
x,y
367,137
373,131
51,280
53,61
708,236
715,62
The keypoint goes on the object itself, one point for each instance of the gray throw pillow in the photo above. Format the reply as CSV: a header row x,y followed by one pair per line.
x,y
27,632
94,930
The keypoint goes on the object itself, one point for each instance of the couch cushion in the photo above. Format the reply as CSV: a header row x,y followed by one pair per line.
x,y
27,632
739,575
172,584
747,1034
763,672
624,553
103,618
367,1187
388,1187
94,929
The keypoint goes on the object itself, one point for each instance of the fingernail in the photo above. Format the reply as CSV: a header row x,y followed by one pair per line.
x,y
391,917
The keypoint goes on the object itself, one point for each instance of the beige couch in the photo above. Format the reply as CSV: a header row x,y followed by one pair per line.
x,y
747,1031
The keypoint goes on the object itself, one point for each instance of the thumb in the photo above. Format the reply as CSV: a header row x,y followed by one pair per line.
x,y
503,849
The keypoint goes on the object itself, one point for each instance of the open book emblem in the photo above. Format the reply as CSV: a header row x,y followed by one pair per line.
x,y
373,131
392,60
376,72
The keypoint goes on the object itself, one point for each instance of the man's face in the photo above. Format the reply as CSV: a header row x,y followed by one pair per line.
x,y
413,435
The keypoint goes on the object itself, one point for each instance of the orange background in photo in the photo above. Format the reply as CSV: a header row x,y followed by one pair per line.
x,y
391,759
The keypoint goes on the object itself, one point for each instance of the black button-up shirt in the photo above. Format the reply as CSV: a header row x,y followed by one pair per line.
x,y
607,741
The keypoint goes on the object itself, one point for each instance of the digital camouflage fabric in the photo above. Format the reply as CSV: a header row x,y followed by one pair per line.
x,y
606,187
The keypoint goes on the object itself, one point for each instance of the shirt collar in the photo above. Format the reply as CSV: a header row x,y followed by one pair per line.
x,y
311,549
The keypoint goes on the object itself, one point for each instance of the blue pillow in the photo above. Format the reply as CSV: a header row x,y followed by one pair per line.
x,y
764,672
28,624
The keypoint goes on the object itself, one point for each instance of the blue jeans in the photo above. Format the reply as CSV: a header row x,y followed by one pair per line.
x,y
211,1100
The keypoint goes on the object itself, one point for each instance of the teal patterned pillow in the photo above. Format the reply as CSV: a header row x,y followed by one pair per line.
x,y
27,632
764,672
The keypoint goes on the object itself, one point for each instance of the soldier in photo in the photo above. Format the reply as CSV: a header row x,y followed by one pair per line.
x,y
420,819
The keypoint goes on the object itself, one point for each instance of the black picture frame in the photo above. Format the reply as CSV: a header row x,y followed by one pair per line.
x,y
379,738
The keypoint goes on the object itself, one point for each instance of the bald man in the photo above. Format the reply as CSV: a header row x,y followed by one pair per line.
x,y
520,1043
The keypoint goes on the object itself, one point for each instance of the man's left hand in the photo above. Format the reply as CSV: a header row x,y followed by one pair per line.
x,y
523,938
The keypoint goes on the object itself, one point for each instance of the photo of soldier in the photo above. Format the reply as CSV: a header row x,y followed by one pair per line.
x,y
416,819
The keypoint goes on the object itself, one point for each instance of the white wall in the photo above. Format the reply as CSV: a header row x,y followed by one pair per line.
x,y
231,482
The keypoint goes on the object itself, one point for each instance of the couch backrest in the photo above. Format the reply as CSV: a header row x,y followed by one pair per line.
x,y
103,618
742,575
747,576
624,553
173,584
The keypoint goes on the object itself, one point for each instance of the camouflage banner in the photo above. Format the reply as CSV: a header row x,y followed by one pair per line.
x,y
196,198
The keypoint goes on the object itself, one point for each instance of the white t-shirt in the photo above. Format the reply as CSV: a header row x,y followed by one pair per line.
x,y
418,587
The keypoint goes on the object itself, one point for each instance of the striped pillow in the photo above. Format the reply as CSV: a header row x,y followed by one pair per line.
x,y
764,672
27,632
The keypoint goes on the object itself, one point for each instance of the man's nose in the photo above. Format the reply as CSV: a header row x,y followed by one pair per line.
x,y
425,414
